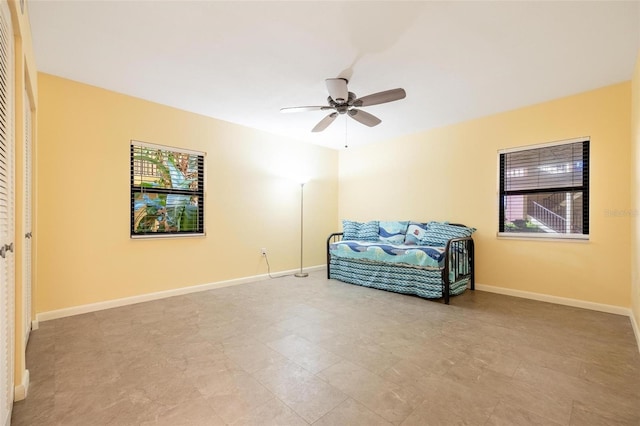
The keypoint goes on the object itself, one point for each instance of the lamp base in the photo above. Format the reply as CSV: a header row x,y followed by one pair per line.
x,y
301,275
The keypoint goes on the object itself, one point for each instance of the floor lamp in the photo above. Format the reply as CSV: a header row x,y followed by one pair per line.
x,y
301,274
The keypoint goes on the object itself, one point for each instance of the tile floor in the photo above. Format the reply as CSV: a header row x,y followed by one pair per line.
x,y
292,351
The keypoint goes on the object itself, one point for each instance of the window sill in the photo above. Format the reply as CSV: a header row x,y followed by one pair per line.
x,y
161,236
577,238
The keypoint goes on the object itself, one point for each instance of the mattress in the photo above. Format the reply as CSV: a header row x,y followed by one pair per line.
x,y
420,256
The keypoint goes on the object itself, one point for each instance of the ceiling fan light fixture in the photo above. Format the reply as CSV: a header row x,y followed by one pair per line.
x,y
337,88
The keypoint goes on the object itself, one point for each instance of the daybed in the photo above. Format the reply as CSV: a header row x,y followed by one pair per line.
x,y
431,260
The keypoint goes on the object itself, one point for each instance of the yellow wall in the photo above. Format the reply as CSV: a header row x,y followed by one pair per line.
x,y
635,187
252,199
450,174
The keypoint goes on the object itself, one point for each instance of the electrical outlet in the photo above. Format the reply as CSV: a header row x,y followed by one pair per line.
x,y
263,251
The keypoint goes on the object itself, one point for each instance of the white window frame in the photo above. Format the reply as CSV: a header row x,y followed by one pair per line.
x,y
543,236
139,170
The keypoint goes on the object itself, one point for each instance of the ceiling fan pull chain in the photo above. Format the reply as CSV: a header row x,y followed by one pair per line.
x,y
345,132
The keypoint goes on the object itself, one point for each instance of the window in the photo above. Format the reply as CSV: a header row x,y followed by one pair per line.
x,y
544,190
167,191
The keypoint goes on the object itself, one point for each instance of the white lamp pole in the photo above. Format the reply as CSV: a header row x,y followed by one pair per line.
x,y
301,274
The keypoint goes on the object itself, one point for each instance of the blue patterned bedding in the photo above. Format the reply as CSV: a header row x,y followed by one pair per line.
x,y
425,283
421,256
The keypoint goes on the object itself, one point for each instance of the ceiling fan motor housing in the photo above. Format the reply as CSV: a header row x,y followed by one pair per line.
x,y
337,88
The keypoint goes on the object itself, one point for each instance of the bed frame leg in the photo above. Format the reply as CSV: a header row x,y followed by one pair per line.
x,y
472,262
336,236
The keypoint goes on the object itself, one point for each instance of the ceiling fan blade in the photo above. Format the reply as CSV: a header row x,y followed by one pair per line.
x,y
380,98
337,88
325,122
305,108
364,117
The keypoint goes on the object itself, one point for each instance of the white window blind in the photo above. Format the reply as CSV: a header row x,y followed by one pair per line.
x,y
544,190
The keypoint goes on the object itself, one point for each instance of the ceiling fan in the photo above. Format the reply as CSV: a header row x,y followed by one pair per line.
x,y
341,101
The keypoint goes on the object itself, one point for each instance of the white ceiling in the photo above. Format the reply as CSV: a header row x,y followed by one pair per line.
x,y
242,61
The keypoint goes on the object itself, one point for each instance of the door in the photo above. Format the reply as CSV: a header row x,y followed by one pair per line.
x,y
26,258
7,213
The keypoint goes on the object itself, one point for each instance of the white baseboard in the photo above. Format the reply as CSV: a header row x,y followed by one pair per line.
x,y
20,392
611,309
35,325
115,303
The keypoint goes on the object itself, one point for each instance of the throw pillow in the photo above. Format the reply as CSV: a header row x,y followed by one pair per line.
x,y
369,231
439,233
415,233
353,230
350,229
393,232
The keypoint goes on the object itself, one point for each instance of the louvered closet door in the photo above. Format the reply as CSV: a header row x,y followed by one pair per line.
x,y
26,258
7,213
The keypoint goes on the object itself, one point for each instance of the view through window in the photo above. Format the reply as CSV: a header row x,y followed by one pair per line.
x,y
167,191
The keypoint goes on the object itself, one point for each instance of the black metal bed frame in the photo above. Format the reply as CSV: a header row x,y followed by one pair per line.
x,y
456,250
